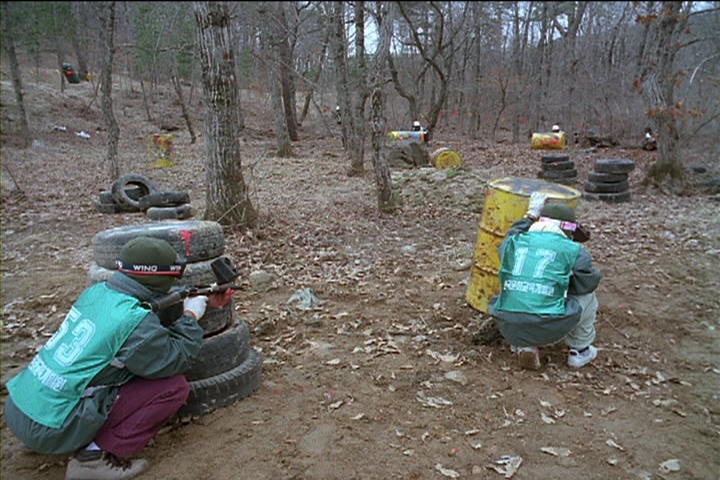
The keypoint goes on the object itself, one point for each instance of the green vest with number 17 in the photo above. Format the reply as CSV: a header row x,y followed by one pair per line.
x,y
535,273
88,339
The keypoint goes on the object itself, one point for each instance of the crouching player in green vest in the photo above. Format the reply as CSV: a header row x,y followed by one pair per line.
x,y
547,286
111,376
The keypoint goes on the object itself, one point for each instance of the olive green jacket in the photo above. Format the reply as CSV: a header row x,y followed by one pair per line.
x,y
528,329
151,351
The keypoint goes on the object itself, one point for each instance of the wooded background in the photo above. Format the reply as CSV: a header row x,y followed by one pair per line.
x,y
487,70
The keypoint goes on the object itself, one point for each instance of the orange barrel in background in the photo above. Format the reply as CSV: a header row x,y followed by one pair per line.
x,y
506,200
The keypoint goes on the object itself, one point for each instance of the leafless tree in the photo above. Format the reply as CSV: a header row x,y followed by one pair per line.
x,y
227,199
8,44
657,80
387,202
107,12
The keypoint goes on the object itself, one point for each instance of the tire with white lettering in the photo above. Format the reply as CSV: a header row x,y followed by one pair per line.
x,y
224,389
121,186
220,352
196,240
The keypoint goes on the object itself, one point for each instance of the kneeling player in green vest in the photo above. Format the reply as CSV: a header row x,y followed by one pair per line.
x,y
547,286
111,376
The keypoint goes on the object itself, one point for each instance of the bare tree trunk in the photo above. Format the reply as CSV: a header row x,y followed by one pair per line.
x,y
357,140
80,38
8,44
271,52
342,81
58,49
107,35
313,82
227,200
185,112
658,90
383,179
284,66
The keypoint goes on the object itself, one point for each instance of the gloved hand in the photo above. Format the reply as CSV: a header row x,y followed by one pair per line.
x,y
195,306
537,200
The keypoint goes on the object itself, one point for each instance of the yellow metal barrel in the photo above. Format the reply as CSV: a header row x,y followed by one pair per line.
x,y
444,158
506,200
548,141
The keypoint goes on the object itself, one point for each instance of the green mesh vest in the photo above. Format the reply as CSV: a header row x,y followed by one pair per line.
x,y
535,273
88,339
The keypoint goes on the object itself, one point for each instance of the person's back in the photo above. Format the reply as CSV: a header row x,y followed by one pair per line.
x,y
547,286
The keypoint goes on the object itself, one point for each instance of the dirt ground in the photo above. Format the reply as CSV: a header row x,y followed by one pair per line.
x,y
385,378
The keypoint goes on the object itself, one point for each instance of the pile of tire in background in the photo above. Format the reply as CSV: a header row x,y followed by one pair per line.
x,y
608,181
227,369
558,168
137,193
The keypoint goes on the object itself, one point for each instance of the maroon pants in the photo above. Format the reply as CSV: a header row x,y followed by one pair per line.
x,y
141,409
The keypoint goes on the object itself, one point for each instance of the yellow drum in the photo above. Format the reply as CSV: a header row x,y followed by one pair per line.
x,y
506,200
444,158
548,141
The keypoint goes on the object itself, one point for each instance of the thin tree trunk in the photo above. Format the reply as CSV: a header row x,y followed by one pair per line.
x,y
226,196
107,34
58,49
284,66
8,44
185,112
383,179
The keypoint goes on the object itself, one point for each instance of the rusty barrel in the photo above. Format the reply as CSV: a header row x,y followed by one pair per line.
x,y
506,200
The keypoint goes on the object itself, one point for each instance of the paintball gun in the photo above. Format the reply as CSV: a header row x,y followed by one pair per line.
x,y
225,273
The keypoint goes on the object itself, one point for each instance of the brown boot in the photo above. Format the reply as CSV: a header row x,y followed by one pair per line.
x,y
529,357
98,465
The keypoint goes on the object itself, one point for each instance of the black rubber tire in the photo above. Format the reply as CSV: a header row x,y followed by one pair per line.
x,y
555,158
596,177
621,197
180,212
206,240
121,185
163,199
221,352
114,208
614,165
213,322
224,389
558,166
133,192
616,187
559,175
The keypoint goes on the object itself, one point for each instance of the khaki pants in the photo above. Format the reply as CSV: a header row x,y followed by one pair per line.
x,y
584,333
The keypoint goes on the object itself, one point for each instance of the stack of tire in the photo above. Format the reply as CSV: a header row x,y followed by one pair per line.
x,y
558,168
227,369
608,182
137,193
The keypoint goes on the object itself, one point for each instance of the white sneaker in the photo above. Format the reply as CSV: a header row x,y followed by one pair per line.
x,y
528,357
103,467
577,359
